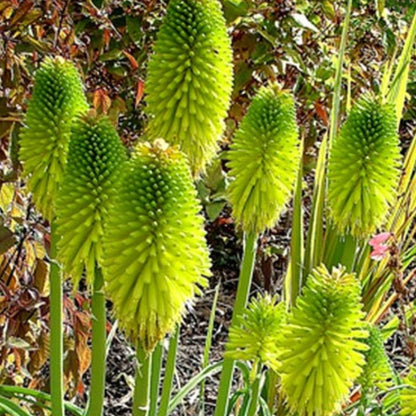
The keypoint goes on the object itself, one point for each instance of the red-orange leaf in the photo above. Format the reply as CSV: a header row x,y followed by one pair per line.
x,y
322,114
133,63
139,92
107,37
101,101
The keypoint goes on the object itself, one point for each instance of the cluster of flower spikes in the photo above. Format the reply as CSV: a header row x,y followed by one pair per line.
x,y
321,344
189,79
95,158
156,256
253,337
57,98
408,395
377,370
363,169
264,159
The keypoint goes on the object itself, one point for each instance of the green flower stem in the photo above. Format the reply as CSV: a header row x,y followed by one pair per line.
x,y
56,327
271,390
169,372
142,382
244,283
255,394
98,362
155,378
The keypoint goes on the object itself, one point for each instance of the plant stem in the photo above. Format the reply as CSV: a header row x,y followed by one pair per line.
x,y
142,382
56,327
96,402
155,378
271,391
244,283
169,372
338,77
255,394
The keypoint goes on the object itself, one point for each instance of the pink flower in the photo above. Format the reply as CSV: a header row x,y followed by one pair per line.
x,y
380,250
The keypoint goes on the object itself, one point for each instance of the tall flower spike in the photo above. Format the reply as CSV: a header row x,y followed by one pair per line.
x,y
253,337
57,98
408,395
264,159
363,168
189,79
377,370
320,344
95,158
155,249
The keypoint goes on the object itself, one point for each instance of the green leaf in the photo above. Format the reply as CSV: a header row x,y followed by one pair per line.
x,y
214,209
294,275
398,89
234,9
14,342
7,239
192,383
111,55
328,9
302,21
12,408
26,394
134,28
315,238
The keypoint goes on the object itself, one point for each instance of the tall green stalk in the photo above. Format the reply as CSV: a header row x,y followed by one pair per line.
x,y
98,362
255,394
338,77
155,378
142,382
169,372
244,283
56,328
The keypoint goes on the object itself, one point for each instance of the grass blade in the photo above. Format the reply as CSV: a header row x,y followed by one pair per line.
x,y
192,383
208,342
338,77
293,281
315,237
398,88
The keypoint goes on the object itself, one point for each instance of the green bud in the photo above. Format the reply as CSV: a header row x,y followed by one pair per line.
x,y
95,158
189,79
57,98
254,335
363,169
319,346
155,249
377,370
264,159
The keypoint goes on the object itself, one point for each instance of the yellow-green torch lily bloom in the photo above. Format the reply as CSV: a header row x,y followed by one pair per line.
x,y
57,99
189,79
96,156
156,256
264,160
321,344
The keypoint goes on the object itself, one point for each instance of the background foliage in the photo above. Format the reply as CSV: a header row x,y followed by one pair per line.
x,y
293,42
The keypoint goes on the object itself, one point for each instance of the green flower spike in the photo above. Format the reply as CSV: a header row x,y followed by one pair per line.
x,y
253,338
57,98
264,159
363,168
377,370
189,79
155,249
408,395
320,344
95,157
